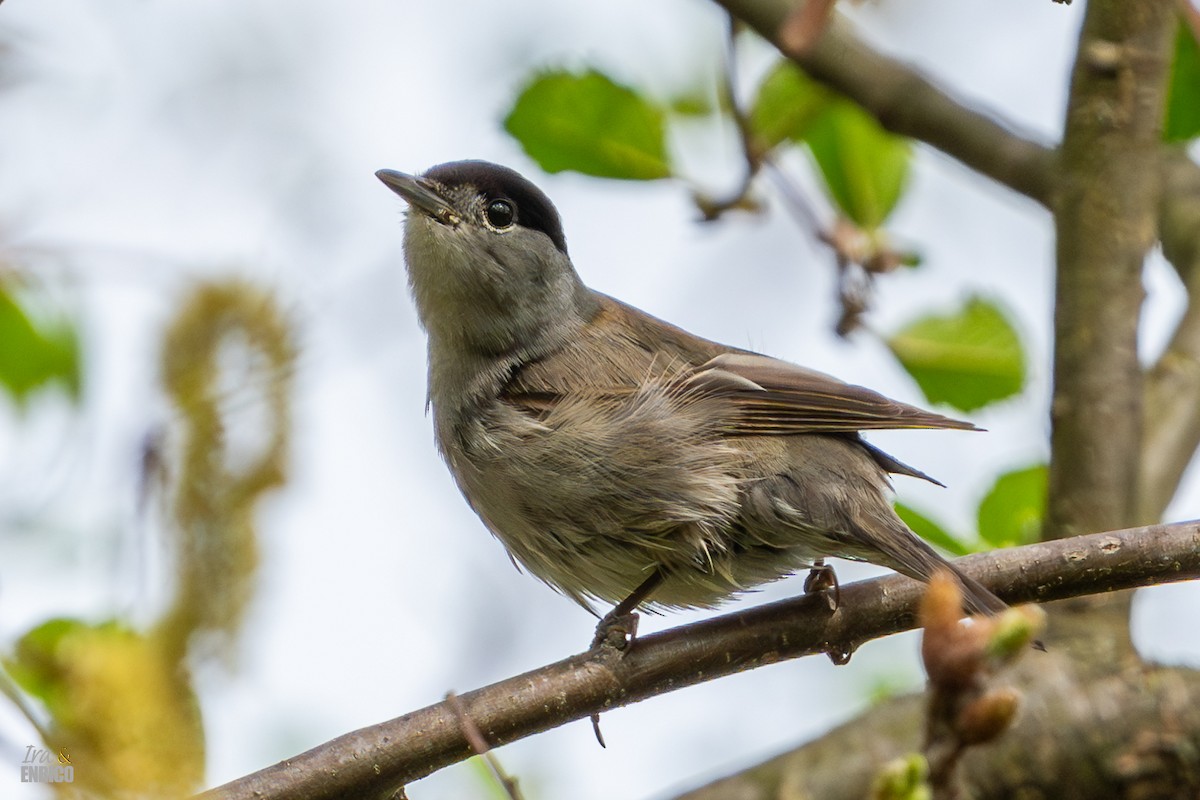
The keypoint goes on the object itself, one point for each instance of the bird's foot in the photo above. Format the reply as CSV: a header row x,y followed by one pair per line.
x,y
822,578
617,629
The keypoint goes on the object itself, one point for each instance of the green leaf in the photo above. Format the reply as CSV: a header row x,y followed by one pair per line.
x,y
118,704
1011,513
865,168
588,123
968,359
34,664
881,687
485,780
1183,96
903,778
787,103
32,354
694,102
930,531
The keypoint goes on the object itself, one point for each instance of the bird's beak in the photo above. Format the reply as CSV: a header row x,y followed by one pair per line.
x,y
420,195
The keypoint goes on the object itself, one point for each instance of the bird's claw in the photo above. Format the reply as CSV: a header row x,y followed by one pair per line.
x,y
616,630
820,578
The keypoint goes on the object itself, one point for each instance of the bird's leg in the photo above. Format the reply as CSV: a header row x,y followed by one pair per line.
x,y
619,626
821,577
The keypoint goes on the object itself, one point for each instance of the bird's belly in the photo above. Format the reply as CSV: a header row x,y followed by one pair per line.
x,y
594,514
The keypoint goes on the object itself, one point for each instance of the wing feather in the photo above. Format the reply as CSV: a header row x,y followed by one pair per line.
x,y
623,349
772,397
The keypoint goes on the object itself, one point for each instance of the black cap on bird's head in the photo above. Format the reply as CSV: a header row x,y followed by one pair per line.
x,y
489,194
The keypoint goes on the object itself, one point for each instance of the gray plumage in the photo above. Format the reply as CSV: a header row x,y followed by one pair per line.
x,y
600,444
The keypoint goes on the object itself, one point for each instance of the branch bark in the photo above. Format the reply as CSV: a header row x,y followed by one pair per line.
x,y
375,761
908,103
1119,181
1172,407
1108,192
1126,734
905,101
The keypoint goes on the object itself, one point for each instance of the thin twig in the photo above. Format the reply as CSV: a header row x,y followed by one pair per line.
x,y
9,689
856,264
481,747
799,204
751,153
906,102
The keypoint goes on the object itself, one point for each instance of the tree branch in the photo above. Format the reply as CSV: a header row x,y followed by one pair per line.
x,y
1126,733
1106,219
374,761
905,101
1172,405
1113,197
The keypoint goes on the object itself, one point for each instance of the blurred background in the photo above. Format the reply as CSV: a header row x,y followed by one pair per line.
x,y
146,145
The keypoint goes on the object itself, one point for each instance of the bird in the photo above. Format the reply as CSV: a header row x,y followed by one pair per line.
x,y
619,458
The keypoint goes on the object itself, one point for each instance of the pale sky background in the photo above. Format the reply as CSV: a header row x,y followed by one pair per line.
x,y
147,144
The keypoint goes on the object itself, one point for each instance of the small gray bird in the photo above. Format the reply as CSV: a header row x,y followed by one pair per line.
x,y
617,457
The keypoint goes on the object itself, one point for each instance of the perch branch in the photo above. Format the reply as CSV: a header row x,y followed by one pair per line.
x,y
375,761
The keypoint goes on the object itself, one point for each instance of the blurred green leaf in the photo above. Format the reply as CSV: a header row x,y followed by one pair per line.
x,y
903,778
117,705
1011,513
865,168
968,359
787,103
931,532
696,102
881,687
1183,96
33,354
486,780
34,663
588,123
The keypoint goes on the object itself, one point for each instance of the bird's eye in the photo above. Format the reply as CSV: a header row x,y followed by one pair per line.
x,y
500,214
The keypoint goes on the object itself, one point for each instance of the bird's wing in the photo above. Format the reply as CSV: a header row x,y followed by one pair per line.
x,y
772,397
623,349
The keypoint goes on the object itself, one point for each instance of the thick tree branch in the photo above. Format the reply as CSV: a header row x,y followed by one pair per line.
x,y
374,761
1106,211
904,101
1108,194
1125,734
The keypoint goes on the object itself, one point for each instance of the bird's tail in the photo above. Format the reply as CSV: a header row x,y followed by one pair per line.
x,y
978,598
910,555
